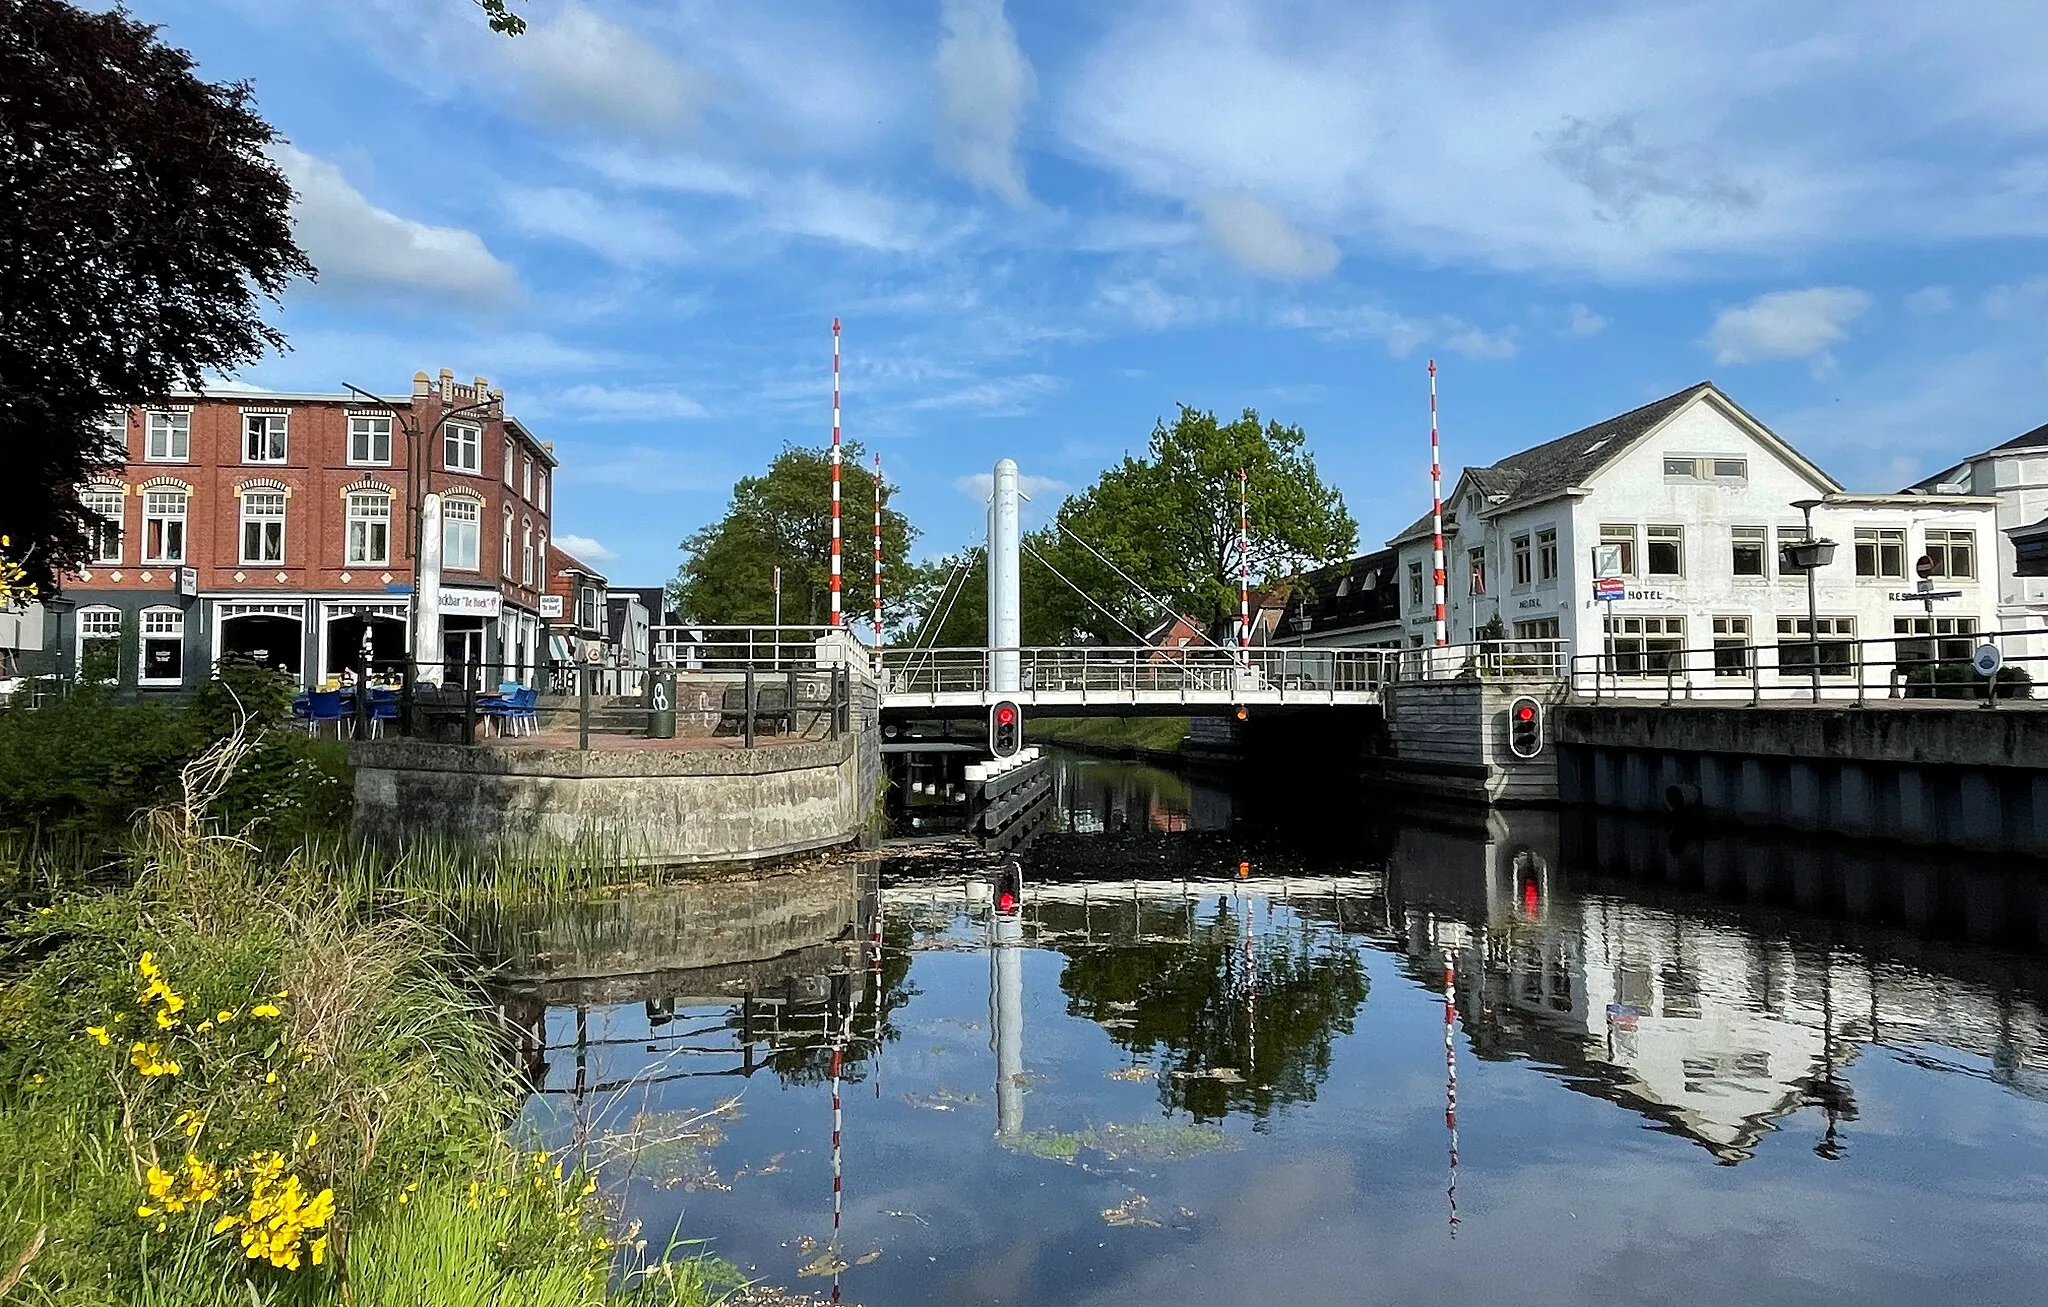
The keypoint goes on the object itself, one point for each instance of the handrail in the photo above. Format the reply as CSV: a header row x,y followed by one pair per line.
x,y
1911,665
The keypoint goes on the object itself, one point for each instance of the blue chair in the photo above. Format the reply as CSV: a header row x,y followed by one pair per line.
x,y
526,711
383,708
326,706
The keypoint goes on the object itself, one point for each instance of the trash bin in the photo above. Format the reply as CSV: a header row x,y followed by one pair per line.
x,y
661,707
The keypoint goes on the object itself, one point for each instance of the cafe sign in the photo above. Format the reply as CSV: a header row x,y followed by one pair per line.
x,y
470,603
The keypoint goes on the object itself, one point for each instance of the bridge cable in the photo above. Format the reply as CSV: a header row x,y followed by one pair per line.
x,y
1084,594
910,666
1157,602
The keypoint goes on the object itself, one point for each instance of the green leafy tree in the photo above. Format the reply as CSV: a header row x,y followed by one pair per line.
x,y
1168,519
781,519
143,227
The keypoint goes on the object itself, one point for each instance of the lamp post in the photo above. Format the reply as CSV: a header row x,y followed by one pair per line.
x,y
1807,556
417,478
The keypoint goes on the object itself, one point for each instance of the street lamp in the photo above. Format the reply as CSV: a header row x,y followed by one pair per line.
x,y
417,477
1807,556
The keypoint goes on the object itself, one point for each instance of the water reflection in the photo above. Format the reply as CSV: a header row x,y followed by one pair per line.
x,y
1197,1082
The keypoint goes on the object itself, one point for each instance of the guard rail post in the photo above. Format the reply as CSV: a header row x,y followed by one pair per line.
x,y
748,734
468,706
582,706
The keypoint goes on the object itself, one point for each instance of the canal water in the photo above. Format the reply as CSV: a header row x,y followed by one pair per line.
x,y
1206,1057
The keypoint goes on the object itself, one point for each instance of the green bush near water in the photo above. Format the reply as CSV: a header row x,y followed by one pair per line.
x,y
1116,734
226,1079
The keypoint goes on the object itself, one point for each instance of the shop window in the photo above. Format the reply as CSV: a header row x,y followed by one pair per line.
x,y
163,647
1925,639
99,644
1647,645
1831,643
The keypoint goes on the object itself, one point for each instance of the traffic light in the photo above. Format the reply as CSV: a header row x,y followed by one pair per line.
x,y
1009,889
1525,727
1005,729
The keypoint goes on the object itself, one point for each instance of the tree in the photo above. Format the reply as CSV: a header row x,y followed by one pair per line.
x,y
142,227
782,519
1169,520
502,17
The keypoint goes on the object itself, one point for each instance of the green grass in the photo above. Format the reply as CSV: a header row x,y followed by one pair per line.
x,y
1143,734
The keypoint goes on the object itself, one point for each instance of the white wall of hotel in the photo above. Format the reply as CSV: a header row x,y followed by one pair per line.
x,y
2017,476
1636,491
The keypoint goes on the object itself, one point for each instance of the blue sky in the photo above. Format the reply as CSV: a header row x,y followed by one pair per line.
x,y
1044,224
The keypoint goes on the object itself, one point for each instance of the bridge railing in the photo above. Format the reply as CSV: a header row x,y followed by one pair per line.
x,y
1525,660
1796,667
738,648
1093,669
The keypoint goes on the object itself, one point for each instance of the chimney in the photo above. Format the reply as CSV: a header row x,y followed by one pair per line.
x,y
447,384
482,387
421,386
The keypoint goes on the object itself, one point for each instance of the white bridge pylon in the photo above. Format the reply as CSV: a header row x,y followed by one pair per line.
x,y
1101,677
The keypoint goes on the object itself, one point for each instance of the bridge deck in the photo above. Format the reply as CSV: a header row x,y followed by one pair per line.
x,y
1136,679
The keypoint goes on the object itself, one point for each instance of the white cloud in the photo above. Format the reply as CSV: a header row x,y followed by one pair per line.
x,y
979,486
362,250
1568,138
1786,324
585,548
2017,299
984,83
585,70
1000,397
1582,321
1930,300
1477,343
1262,239
619,231
1401,334
651,403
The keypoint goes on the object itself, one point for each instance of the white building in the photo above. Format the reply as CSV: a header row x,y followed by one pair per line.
x,y
2016,473
1698,497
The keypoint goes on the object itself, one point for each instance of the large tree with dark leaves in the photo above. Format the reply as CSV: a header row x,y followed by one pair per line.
x,y
142,225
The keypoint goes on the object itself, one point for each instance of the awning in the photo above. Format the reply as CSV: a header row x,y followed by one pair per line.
x,y
558,648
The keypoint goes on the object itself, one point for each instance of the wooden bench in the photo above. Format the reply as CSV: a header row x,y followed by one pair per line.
x,y
772,710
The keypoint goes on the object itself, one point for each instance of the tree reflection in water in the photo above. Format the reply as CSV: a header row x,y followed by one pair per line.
x,y
1234,1017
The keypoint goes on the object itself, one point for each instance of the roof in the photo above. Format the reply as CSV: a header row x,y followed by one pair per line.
x,y
2028,439
1360,591
571,563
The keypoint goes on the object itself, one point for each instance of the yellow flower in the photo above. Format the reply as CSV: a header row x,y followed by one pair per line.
x,y
270,1079
191,1123
202,1027
223,1016
147,966
319,1250
149,1059
282,994
265,1010
164,1019
99,1033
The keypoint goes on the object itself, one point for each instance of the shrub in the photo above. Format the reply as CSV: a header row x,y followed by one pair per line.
x,y
1952,679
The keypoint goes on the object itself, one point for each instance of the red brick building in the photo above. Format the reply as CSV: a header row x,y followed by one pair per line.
x,y
280,526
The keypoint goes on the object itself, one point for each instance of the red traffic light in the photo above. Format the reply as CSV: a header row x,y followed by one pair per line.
x,y
1525,712
1005,714
1006,903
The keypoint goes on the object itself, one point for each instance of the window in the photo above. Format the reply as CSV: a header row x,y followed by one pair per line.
x,y
1831,642
540,561
369,527
1686,468
505,547
263,526
108,504
1728,469
99,644
541,484
460,520
1954,553
1523,561
1546,555
1415,584
263,437
1880,552
462,447
369,438
1731,646
163,526
170,438
1929,645
1664,550
586,607
1623,536
1789,534
1537,628
1749,545
1477,558
526,555
163,647
114,434
508,462
1645,645
527,474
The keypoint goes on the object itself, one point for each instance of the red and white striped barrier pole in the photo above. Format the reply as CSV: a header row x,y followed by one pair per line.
x,y
1244,573
878,556
1436,490
835,473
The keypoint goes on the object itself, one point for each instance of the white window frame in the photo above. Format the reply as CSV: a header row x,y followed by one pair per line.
x,y
95,616
1664,533
1623,534
1546,555
273,431
462,448
505,547
1521,550
269,533
365,427
1747,534
170,624
1734,637
1939,543
114,432
526,476
461,521
96,500
526,553
1878,539
175,430
508,463
540,560
156,544
368,540
541,484
1475,570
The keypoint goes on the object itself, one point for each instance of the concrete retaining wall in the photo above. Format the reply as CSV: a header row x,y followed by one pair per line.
x,y
1962,778
1451,737
662,806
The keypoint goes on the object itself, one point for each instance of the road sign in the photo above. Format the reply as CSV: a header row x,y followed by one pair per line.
x,y
1987,660
1924,568
1610,588
1606,561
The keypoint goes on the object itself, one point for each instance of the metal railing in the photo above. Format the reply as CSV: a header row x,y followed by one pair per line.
x,y
1525,660
734,648
1134,671
1798,667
